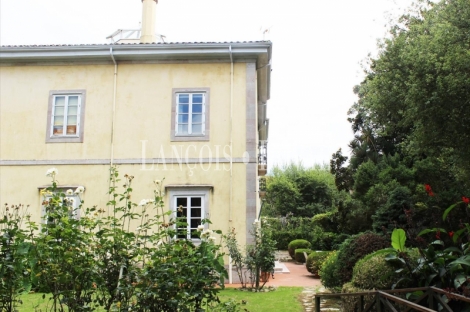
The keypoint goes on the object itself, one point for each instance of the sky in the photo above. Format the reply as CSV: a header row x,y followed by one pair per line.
x,y
318,47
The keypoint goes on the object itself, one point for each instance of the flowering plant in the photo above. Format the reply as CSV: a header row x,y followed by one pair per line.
x,y
439,265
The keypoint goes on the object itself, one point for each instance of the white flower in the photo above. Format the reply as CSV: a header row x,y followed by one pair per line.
x,y
144,202
206,233
256,222
212,239
157,182
79,190
69,192
200,228
52,172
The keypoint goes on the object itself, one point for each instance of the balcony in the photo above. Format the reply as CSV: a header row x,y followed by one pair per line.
x,y
262,158
262,187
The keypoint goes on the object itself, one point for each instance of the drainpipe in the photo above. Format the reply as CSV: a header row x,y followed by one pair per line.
x,y
231,156
114,107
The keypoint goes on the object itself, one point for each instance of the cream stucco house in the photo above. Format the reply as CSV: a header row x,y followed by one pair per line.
x,y
191,113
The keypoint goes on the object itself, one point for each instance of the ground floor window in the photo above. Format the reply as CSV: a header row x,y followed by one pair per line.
x,y
191,209
190,205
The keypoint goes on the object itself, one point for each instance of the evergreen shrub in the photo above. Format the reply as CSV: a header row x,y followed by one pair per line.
x,y
299,254
315,261
329,272
297,244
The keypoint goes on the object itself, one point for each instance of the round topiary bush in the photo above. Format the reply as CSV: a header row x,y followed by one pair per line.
x,y
329,272
299,254
374,272
315,261
355,248
297,244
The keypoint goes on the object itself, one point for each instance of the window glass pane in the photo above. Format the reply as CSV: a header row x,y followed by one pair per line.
x,y
183,108
182,233
183,118
71,129
197,98
195,223
73,100
59,100
58,130
181,201
182,213
183,98
58,121
59,111
196,213
72,120
197,118
197,129
197,108
194,234
182,129
196,201
72,110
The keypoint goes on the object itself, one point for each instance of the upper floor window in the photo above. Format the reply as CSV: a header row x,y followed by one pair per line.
x,y
190,115
65,116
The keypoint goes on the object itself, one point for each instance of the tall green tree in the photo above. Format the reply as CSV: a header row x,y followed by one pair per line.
x,y
302,192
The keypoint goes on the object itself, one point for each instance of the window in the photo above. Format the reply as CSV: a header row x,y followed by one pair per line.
x,y
65,116
189,208
191,203
190,115
71,201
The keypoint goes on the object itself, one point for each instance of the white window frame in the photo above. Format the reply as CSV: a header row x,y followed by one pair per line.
x,y
76,137
190,136
182,192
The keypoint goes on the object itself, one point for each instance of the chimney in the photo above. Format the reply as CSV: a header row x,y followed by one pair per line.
x,y
149,8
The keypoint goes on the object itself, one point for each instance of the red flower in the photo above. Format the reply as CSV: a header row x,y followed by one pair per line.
x,y
466,200
451,233
438,235
428,189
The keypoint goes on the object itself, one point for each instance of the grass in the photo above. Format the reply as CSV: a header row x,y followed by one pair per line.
x,y
284,299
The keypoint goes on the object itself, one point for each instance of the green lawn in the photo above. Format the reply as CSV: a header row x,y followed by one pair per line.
x,y
284,299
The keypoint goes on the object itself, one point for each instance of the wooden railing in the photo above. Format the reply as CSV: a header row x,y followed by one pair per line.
x,y
385,301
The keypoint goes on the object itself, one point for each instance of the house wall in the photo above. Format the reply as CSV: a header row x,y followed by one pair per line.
x,y
142,128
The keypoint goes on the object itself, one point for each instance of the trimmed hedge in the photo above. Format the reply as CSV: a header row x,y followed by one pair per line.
x,y
297,244
299,254
329,272
315,261
355,248
374,272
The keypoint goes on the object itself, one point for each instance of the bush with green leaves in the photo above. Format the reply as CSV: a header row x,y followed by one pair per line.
x,y
297,244
258,257
15,267
329,272
100,260
374,272
315,261
353,249
299,254
351,303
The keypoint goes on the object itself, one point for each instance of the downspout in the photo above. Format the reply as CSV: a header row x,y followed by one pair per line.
x,y
113,120
114,107
231,156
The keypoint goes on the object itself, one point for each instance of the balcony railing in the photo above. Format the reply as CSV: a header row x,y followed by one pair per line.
x,y
262,158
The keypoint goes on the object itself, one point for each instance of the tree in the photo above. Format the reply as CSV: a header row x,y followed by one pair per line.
x,y
303,192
